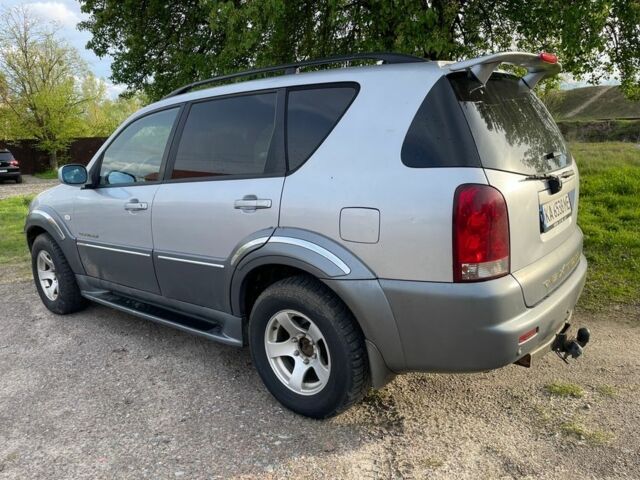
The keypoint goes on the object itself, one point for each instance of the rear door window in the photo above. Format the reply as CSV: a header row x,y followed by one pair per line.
x,y
312,113
512,129
228,136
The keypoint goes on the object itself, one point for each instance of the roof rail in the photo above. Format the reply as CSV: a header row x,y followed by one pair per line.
x,y
292,68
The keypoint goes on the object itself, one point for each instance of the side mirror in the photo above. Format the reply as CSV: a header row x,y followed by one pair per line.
x,y
115,177
73,174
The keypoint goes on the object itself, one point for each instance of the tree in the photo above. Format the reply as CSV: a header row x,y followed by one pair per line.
x,y
102,115
38,87
158,46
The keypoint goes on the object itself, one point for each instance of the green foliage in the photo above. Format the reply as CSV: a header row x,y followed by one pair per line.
x,y
38,89
562,389
47,174
591,103
158,46
13,246
609,216
101,115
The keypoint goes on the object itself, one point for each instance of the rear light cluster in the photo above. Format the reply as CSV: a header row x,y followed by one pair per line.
x,y
480,234
548,57
14,163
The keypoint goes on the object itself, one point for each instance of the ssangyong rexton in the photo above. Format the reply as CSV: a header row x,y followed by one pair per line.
x,y
347,224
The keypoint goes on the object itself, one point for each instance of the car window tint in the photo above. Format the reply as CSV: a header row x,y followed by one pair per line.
x,y
311,115
228,136
136,154
439,135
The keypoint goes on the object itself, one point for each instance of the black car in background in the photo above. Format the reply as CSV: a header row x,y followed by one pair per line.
x,y
9,167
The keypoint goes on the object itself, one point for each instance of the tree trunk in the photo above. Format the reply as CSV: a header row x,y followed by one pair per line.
x,y
53,160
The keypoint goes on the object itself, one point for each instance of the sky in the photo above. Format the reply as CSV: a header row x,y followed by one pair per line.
x,y
67,14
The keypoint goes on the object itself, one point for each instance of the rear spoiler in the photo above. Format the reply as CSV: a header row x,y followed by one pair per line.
x,y
538,66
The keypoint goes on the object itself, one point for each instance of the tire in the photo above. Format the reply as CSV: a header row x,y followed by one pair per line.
x,y
337,373
19,179
47,256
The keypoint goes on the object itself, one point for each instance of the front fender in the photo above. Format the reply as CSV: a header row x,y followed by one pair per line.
x,y
46,218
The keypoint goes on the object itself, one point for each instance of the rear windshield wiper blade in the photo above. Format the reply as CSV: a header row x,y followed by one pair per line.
x,y
555,182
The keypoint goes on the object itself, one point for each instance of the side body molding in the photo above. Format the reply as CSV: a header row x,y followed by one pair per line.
x,y
341,271
46,218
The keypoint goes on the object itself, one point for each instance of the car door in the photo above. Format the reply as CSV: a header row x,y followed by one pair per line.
x,y
112,220
223,184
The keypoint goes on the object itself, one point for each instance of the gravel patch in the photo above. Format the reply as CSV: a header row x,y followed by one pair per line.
x,y
30,186
102,394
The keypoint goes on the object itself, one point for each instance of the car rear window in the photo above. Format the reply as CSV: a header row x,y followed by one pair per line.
x,y
511,127
439,135
312,112
5,156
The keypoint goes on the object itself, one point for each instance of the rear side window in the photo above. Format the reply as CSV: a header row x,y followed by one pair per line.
x,y
439,135
512,128
228,136
311,115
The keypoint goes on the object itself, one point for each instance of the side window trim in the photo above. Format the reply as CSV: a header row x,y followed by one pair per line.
x,y
276,147
94,174
315,86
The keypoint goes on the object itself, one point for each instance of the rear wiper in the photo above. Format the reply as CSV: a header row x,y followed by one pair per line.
x,y
555,182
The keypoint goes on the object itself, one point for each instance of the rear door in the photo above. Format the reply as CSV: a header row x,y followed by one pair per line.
x,y
224,184
112,221
520,147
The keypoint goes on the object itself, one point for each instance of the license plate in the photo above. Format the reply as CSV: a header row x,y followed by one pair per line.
x,y
4,171
555,212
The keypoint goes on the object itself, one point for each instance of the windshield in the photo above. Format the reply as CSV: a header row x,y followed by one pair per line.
x,y
511,127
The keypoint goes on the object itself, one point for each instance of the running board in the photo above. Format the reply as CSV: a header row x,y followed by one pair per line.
x,y
186,323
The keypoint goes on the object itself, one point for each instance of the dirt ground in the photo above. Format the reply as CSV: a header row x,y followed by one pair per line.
x,y
101,394
30,186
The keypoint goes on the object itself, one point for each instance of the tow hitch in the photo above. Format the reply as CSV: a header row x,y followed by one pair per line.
x,y
570,347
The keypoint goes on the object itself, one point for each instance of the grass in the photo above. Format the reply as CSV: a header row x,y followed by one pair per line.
x,y
609,216
611,104
561,389
47,175
14,255
606,390
593,437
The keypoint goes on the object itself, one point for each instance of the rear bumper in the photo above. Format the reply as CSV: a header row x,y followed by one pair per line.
x,y
453,327
11,173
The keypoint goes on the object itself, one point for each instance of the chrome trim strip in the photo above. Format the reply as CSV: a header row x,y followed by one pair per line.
x,y
314,248
111,249
195,262
51,220
248,246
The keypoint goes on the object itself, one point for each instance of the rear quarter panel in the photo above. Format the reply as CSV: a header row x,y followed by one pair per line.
x,y
359,165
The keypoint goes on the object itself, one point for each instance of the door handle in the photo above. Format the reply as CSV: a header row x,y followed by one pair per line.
x,y
250,203
135,205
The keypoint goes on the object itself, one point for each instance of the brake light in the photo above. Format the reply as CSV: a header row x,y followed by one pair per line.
x,y
14,163
548,57
480,233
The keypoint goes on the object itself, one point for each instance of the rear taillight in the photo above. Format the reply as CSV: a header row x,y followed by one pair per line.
x,y
480,233
548,57
14,163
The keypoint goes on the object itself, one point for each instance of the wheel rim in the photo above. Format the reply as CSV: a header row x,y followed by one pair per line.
x,y
297,352
47,275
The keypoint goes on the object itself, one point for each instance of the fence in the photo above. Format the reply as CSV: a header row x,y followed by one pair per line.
x,y
33,160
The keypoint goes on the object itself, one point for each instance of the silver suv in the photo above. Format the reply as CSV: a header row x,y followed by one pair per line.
x,y
347,224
